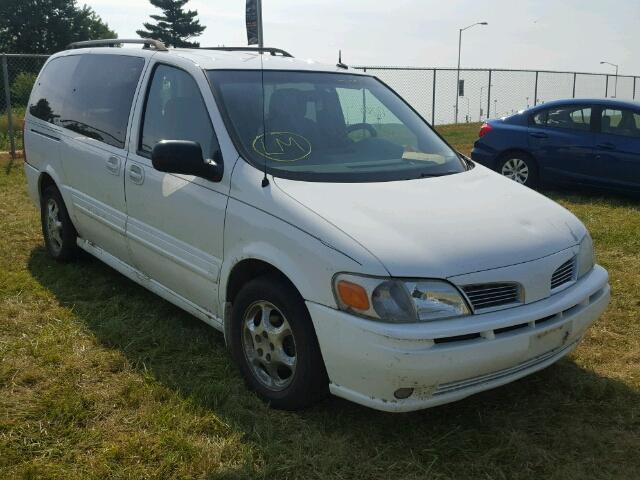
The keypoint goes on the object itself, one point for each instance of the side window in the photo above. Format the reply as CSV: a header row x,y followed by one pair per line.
x,y
569,117
175,110
540,118
100,103
52,90
621,122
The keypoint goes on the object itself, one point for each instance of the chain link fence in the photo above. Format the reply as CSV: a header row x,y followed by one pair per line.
x,y
433,92
17,75
486,93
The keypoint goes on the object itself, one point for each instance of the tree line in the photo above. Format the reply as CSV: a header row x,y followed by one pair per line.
x,y
47,26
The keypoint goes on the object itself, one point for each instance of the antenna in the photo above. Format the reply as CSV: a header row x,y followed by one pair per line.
x,y
340,64
265,180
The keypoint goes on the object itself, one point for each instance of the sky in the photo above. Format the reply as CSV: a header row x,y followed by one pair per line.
x,y
568,35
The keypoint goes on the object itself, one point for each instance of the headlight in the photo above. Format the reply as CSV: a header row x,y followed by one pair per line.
x,y
586,259
398,301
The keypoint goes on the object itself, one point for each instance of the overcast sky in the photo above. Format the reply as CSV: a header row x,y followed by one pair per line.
x,y
544,34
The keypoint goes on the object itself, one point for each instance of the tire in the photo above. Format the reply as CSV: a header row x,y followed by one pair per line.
x,y
59,233
274,344
520,167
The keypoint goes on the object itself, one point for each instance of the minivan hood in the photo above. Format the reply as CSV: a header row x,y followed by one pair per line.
x,y
445,226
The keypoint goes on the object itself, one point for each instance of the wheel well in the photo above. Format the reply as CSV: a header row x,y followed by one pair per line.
x,y
245,271
516,151
45,182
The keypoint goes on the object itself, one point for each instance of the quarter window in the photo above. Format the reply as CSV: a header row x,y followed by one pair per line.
x,y
621,122
52,89
175,110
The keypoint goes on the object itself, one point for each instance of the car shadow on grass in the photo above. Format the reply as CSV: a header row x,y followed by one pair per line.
x,y
560,420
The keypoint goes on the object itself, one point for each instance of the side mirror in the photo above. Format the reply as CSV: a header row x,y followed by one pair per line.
x,y
183,156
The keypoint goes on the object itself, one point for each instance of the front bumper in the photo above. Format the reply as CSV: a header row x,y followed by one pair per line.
x,y
368,361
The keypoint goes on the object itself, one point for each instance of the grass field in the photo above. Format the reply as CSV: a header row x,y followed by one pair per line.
x,y
101,379
17,118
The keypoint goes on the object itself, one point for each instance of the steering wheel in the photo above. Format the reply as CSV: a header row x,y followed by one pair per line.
x,y
362,126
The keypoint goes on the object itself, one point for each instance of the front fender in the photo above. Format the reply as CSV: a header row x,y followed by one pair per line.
x,y
310,264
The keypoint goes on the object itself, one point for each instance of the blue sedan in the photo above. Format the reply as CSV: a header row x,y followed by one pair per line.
x,y
587,142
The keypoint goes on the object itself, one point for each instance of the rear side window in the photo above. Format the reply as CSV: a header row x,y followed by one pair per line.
x,y
51,91
570,117
100,101
175,110
89,94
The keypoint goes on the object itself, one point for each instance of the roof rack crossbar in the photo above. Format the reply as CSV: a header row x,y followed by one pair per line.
x,y
112,42
271,50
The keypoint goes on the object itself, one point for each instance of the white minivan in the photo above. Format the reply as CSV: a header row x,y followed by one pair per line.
x,y
310,214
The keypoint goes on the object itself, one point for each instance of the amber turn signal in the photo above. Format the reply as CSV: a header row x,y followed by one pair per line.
x,y
353,295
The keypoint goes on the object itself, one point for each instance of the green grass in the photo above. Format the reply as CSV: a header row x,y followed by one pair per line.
x,y
101,379
17,119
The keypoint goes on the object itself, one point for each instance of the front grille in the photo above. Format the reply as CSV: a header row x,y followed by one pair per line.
x,y
491,295
563,274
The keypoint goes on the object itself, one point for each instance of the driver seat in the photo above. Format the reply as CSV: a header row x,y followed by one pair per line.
x,y
287,113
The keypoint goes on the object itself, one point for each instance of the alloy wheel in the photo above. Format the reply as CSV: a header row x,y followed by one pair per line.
x,y
516,169
54,225
269,345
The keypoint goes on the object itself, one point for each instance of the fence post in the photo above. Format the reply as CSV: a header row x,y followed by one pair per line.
x,y
606,88
433,99
488,96
574,84
7,97
535,91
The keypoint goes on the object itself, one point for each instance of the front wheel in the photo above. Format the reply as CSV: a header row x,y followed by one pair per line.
x,y
519,168
275,346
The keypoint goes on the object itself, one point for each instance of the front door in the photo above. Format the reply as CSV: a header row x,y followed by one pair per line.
x,y
175,222
618,148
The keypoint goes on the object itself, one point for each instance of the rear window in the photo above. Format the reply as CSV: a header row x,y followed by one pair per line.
x,y
89,94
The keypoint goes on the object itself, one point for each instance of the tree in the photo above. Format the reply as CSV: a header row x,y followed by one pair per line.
x,y
175,27
47,26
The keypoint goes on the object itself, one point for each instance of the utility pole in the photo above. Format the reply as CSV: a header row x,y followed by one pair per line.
x,y
615,88
459,54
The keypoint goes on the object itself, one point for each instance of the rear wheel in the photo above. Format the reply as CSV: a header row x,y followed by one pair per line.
x,y
520,168
274,344
59,234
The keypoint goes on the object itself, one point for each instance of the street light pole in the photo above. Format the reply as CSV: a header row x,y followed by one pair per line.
x,y
459,54
615,88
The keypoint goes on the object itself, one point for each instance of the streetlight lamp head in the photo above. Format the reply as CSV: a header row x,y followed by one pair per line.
x,y
484,23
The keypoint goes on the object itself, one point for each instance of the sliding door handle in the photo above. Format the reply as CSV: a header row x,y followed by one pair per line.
x,y
113,165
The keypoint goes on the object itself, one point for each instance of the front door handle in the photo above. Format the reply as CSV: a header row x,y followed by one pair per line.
x,y
136,174
606,146
538,135
113,165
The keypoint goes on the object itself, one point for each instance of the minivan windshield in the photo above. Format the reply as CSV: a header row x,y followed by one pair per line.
x,y
332,127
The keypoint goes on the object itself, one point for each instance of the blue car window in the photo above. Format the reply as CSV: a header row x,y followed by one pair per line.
x,y
621,122
569,117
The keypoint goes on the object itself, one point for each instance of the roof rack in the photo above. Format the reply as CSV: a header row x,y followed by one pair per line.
x,y
112,42
271,50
